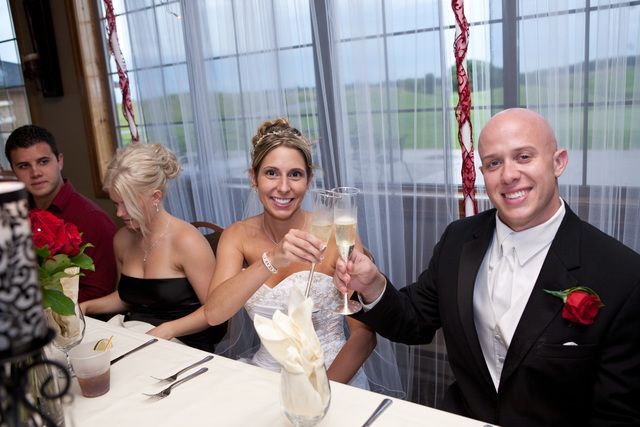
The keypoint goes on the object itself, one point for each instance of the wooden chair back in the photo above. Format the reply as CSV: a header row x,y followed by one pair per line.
x,y
213,233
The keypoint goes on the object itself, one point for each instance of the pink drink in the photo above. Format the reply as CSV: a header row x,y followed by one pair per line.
x,y
95,386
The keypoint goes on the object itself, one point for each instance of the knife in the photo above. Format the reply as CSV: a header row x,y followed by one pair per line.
x,y
151,341
379,410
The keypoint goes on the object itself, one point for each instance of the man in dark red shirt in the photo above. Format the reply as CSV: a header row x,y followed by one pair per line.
x,y
36,161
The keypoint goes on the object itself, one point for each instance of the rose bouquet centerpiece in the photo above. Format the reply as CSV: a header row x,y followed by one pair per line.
x,y
60,255
60,252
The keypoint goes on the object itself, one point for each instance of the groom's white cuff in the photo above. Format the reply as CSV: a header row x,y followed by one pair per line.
x,y
367,307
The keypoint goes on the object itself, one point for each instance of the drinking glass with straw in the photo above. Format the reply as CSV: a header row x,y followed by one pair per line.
x,y
345,218
321,223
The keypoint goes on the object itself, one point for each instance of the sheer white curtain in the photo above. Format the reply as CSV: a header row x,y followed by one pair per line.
x,y
371,81
207,74
577,62
588,87
391,86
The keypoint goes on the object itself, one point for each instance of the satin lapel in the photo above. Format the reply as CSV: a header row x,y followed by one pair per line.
x,y
542,307
470,260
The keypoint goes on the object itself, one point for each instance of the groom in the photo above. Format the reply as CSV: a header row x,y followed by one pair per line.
x,y
520,356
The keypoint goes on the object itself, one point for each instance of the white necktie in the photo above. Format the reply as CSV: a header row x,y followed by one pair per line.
x,y
503,279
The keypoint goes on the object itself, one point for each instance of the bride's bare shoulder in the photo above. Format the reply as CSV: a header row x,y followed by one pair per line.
x,y
242,230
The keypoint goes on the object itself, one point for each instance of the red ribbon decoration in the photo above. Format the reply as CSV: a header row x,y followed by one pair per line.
x,y
463,109
114,48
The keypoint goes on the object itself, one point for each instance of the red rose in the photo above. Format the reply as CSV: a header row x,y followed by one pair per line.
x,y
48,230
73,240
581,307
581,304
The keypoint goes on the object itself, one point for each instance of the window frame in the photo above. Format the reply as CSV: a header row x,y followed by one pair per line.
x,y
95,94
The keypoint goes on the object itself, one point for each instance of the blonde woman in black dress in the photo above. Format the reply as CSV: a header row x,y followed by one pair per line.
x,y
164,263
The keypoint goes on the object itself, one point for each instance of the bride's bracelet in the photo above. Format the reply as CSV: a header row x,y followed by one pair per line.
x,y
267,263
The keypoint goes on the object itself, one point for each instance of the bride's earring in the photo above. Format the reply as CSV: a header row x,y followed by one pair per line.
x,y
157,208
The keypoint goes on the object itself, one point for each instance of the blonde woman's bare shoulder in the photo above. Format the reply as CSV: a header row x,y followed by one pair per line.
x,y
125,236
187,242
182,225
124,240
184,233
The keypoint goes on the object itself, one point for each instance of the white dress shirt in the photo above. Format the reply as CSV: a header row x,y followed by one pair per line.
x,y
495,314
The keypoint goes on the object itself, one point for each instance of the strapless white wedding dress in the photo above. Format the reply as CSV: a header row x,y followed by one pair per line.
x,y
329,325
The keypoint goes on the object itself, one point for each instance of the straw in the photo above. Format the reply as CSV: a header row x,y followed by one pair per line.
x,y
106,347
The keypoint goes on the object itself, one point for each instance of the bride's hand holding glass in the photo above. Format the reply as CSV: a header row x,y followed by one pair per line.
x,y
296,246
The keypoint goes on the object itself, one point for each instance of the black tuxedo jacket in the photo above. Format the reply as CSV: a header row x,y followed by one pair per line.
x,y
543,382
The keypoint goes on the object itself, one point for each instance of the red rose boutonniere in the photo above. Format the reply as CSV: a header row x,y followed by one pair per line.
x,y
581,304
58,246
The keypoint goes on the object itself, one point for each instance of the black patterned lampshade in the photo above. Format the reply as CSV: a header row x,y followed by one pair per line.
x,y
22,323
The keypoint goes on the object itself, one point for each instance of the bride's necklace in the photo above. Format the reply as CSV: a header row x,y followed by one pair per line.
x,y
270,236
148,249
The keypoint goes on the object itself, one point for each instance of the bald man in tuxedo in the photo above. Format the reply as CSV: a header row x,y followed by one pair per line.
x,y
517,358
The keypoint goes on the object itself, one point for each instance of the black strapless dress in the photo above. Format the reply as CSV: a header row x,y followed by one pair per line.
x,y
156,301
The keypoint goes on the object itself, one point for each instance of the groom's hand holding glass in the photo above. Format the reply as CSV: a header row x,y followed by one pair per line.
x,y
359,274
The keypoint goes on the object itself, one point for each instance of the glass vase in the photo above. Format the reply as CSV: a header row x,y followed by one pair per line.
x,y
305,399
69,330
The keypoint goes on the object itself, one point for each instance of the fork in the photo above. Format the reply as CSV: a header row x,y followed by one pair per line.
x,y
174,377
167,391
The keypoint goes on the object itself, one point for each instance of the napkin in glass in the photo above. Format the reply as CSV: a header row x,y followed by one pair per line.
x,y
292,341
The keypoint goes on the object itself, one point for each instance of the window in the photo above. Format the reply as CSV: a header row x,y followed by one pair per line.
x,y
587,83
14,107
373,82
504,61
162,86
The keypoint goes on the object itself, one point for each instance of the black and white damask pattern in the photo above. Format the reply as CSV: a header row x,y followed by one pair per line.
x,y
21,316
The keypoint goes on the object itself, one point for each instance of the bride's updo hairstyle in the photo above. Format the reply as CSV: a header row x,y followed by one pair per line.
x,y
276,133
137,171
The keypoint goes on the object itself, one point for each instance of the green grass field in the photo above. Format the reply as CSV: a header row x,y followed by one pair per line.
x,y
410,118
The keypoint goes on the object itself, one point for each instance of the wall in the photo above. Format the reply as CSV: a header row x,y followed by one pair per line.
x,y
63,116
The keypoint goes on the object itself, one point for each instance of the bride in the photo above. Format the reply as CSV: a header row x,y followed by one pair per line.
x,y
278,249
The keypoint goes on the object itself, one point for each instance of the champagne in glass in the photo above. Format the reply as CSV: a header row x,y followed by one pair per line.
x,y
345,214
321,223
345,235
322,230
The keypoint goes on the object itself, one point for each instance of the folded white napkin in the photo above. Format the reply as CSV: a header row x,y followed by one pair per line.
x,y
67,328
292,341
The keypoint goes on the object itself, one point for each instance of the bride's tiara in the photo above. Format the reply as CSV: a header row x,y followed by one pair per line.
x,y
293,131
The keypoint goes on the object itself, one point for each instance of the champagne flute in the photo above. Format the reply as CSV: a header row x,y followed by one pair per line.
x,y
321,223
345,214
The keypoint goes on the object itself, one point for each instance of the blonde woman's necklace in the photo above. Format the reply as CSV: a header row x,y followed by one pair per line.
x,y
149,248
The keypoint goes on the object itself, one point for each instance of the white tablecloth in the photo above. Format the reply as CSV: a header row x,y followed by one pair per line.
x,y
231,393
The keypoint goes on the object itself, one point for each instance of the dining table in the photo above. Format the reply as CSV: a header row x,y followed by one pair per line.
x,y
229,393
